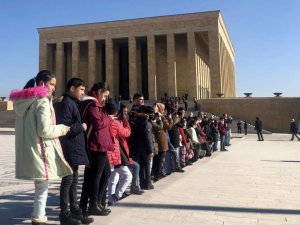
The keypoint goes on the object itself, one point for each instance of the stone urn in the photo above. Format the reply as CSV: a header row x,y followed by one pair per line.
x,y
3,98
220,95
247,94
277,94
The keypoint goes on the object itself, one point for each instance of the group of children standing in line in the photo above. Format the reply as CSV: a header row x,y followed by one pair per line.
x,y
118,148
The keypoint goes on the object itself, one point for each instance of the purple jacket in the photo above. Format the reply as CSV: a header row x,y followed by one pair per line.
x,y
98,124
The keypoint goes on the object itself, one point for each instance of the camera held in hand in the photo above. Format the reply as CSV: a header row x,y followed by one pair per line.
x,y
120,116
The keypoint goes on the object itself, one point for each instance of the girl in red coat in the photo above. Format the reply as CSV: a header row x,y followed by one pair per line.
x,y
100,141
119,158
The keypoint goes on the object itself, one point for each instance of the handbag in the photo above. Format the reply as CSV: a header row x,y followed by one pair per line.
x,y
124,157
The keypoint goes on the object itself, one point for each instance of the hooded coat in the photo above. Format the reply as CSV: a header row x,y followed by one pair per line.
x,y
38,151
98,124
120,132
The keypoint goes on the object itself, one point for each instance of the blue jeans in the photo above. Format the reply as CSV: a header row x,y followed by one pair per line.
x,y
40,200
215,146
227,137
222,138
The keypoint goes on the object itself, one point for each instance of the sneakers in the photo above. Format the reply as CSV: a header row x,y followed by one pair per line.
x,y
113,201
39,221
136,190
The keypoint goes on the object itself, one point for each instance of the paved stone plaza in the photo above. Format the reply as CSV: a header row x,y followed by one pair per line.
x,y
254,183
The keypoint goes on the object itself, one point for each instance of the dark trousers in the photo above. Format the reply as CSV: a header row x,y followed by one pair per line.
x,y
158,161
245,131
222,142
185,106
68,192
239,130
259,135
85,193
196,149
144,160
95,180
205,146
293,135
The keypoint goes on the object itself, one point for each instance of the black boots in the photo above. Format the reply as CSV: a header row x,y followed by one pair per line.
x,y
82,216
94,209
68,219
104,208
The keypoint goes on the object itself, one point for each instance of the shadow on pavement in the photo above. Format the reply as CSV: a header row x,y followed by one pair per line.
x,y
289,161
213,208
17,209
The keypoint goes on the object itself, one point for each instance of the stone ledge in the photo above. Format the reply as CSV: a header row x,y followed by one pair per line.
x,y
6,105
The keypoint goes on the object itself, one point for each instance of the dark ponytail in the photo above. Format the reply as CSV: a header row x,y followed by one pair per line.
x,y
30,83
43,75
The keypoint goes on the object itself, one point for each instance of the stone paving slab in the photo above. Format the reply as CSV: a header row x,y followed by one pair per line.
x,y
253,183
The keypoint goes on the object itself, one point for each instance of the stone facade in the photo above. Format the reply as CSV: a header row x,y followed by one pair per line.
x,y
187,53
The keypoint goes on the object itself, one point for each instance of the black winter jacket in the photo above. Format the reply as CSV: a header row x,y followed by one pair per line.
x,y
174,134
294,128
142,136
74,144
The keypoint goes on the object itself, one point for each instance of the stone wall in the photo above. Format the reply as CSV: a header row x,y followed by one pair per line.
x,y
6,105
275,112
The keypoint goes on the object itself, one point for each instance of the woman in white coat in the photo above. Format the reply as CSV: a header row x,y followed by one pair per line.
x,y
38,152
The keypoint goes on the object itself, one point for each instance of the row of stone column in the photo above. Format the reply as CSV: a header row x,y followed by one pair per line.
x,y
109,54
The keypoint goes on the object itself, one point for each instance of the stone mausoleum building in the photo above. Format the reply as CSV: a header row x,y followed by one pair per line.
x,y
177,54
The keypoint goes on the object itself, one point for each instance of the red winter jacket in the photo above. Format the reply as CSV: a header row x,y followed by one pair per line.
x,y
98,125
119,131
222,128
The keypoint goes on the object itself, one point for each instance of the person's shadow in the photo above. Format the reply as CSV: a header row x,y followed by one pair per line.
x,y
17,208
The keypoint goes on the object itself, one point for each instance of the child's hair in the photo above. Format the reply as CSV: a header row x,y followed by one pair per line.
x,y
100,86
43,75
75,82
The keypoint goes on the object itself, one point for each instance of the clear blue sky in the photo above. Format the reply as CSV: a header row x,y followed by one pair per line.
x,y
265,35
